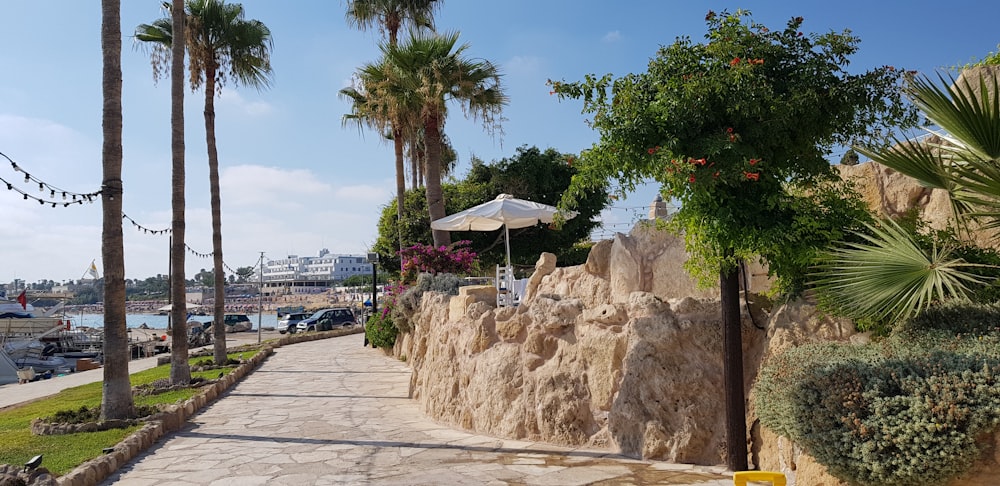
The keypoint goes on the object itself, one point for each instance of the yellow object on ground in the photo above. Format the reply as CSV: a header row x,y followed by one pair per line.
x,y
740,478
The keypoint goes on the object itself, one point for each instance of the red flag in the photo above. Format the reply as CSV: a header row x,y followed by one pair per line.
x,y
23,300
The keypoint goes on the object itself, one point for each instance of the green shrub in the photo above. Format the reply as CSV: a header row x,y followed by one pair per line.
x,y
380,329
903,412
956,318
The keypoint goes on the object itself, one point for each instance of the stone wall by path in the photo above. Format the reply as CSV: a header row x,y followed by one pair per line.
x,y
613,358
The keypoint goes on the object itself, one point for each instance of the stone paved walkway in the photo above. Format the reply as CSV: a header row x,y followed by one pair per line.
x,y
333,412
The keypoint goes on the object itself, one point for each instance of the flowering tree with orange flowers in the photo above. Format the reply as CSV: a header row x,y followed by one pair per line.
x,y
737,130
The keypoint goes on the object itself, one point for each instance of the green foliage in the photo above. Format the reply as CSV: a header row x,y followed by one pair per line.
x,y
903,411
65,452
737,130
955,318
889,276
531,174
380,329
991,59
850,158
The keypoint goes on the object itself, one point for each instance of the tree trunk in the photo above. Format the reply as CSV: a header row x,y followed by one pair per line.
x,y
435,198
397,142
180,371
732,343
219,311
116,400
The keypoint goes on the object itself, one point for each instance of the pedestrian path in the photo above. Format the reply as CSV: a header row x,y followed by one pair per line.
x,y
331,412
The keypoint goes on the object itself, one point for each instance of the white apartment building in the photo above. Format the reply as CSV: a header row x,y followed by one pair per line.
x,y
309,272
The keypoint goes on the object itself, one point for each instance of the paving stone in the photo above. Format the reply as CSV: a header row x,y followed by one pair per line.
x,y
332,412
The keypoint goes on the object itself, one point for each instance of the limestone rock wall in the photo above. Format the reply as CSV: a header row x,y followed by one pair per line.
x,y
622,352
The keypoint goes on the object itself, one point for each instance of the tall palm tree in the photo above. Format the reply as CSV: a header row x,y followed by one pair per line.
x,y
116,399
888,277
378,103
167,54
390,16
432,68
223,46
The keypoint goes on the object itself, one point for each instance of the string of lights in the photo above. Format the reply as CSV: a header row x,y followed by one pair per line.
x,y
68,197
190,250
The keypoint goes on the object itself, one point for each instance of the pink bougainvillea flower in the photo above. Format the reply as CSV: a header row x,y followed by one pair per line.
x,y
754,161
698,161
691,178
752,176
729,130
732,138
651,151
715,175
735,61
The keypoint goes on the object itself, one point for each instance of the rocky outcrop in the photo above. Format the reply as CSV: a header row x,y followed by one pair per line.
x,y
614,353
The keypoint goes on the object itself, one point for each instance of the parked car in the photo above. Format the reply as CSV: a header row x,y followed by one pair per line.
x,y
237,323
327,319
287,322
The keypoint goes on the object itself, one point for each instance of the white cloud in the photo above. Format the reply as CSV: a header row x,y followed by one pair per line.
x,y
233,100
522,65
255,185
613,36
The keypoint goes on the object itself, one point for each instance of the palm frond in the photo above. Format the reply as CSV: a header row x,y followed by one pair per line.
x,y
890,276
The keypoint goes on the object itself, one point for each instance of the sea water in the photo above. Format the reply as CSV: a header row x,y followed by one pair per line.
x,y
154,321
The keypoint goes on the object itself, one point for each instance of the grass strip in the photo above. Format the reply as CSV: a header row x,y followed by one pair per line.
x,y
65,452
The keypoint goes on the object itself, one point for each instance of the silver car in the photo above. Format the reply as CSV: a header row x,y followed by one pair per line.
x,y
287,322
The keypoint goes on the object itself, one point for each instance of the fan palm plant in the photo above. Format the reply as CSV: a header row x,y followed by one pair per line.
x,y
222,46
890,277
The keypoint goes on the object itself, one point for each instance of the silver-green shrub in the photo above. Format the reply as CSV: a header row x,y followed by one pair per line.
x,y
408,302
902,411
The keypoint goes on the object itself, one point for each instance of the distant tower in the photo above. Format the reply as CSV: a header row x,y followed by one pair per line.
x,y
658,209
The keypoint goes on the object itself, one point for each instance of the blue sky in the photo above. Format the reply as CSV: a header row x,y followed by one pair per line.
x,y
294,180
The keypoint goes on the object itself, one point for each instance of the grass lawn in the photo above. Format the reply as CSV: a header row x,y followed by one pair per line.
x,y
65,452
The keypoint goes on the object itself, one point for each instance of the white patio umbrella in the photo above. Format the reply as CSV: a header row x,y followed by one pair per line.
x,y
506,211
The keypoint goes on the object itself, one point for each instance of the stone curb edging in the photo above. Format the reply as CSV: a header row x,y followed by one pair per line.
x,y
175,416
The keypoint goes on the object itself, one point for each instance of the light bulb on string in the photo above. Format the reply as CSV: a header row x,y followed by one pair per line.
x,y
25,195
41,187
27,177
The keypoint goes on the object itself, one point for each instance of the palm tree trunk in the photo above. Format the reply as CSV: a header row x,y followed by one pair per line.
x,y
397,141
180,371
219,311
435,198
732,344
116,400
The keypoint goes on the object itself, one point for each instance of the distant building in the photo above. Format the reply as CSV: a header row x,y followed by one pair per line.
x,y
313,273
658,208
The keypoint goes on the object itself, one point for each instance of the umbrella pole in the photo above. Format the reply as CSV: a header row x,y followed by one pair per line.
x,y
506,240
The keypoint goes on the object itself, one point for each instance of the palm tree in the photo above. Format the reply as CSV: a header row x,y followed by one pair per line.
x,y
888,277
383,106
116,400
223,46
160,33
390,16
432,69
